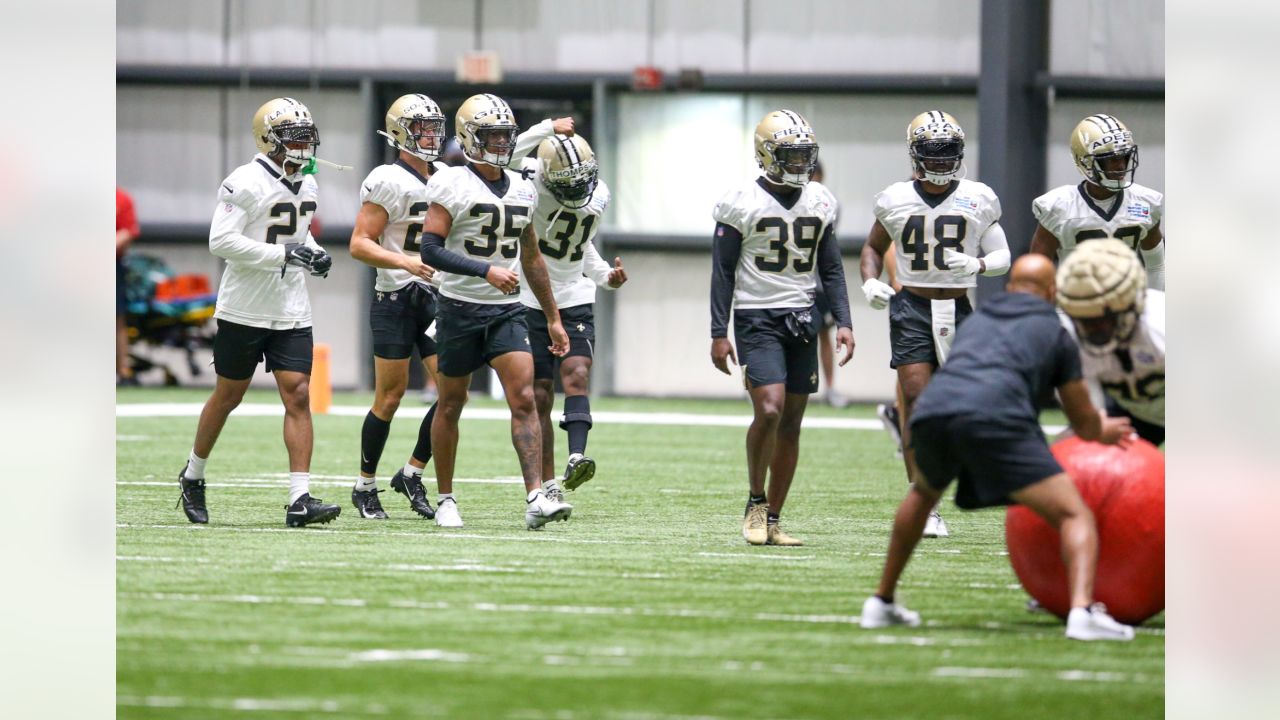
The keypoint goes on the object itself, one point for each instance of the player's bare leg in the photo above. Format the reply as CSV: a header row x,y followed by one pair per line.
x,y
575,376
782,468
515,372
912,379
444,429
429,364
226,397
767,404
390,378
881,609
544,397
299,438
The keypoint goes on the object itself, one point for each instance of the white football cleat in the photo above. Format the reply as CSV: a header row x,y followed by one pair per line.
x,y
935,526
877,613
447,515
1093,623
541,510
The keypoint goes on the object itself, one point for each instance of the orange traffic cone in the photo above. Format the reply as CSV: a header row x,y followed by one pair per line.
x,y
321,385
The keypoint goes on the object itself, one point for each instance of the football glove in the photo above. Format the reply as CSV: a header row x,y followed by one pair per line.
x,y
315,260
960,264
877,293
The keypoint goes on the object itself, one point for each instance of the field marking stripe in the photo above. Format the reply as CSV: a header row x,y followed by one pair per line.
x,y
144,410
334,532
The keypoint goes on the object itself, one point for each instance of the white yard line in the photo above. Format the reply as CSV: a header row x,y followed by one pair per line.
x,y
335,532
140,410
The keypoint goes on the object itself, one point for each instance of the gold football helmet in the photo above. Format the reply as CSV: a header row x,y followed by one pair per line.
x,y
569,170
283,124
786,148
1105,152
486,130
412,118
935,142
1102,287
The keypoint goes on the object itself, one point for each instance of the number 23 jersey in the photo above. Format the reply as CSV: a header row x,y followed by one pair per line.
x,y
779,243
488,218
922,226
1072,216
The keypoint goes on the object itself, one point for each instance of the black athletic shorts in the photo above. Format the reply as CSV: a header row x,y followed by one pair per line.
x,y
911,327
400,319
579,323
1148,431
771,353
237,350
992,458
469,335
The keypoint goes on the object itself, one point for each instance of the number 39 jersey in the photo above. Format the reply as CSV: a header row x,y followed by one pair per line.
x,y
402,192
488,219
923,226
566,239
1132,375
779,243
258,212
1072,216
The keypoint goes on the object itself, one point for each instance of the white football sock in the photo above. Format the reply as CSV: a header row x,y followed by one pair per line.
x,y
409,469
195,466
365,484
446,496
299,485
533,495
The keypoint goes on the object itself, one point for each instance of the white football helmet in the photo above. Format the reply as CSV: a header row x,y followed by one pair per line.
x,y
935,143
1105,152
786,148
568,169
486,130
283,122
410,119
1102,287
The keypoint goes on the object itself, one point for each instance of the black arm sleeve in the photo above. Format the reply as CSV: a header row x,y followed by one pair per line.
x,y
831,270
434,254
725,248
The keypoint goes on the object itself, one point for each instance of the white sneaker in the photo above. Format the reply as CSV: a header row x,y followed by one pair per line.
x,y
836,400
935,526
541,510
877,613
447,514
1093,623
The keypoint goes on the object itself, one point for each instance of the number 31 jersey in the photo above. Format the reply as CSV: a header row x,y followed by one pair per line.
x,y
488,218
258,212
402,192
779,243
1072,216
923,226
566,239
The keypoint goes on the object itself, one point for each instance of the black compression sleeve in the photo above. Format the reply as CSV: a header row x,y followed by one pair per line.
x,y
725,249
434,254
831,270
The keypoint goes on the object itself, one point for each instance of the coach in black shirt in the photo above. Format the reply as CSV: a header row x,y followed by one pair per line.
x,y
978,420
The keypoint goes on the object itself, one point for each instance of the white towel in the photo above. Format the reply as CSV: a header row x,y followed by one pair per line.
x,y
944,327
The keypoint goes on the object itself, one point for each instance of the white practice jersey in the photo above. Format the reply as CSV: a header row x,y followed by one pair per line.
x,y
1133,375
1073,217
566,238
402,192
488,219
779,244
258,213
923,226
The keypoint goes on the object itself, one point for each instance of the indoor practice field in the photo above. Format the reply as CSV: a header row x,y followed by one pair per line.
x,y
646,604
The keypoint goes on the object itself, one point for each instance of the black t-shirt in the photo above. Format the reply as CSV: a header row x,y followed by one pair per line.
x,y
1007,356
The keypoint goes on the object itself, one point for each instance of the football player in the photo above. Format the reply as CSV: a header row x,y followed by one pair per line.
x,y
261,227
571,203
937,224
1119,324
477,231
1107,204
772,234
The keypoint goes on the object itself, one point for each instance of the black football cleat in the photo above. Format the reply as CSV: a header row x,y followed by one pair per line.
x,y
579,470
307,510
410,486
192,498
367,504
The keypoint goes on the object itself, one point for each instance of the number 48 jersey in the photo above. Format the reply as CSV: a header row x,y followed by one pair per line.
x,y
923,226
779,243
566,238
402,192
488,218
1072,216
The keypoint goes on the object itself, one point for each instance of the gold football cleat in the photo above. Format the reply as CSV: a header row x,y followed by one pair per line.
x,y
778,537
755,524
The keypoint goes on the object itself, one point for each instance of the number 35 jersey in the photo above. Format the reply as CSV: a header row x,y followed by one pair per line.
x,y
488,218
923,226
1132,375
402,192
779,242
1072,216
258,212
566,239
